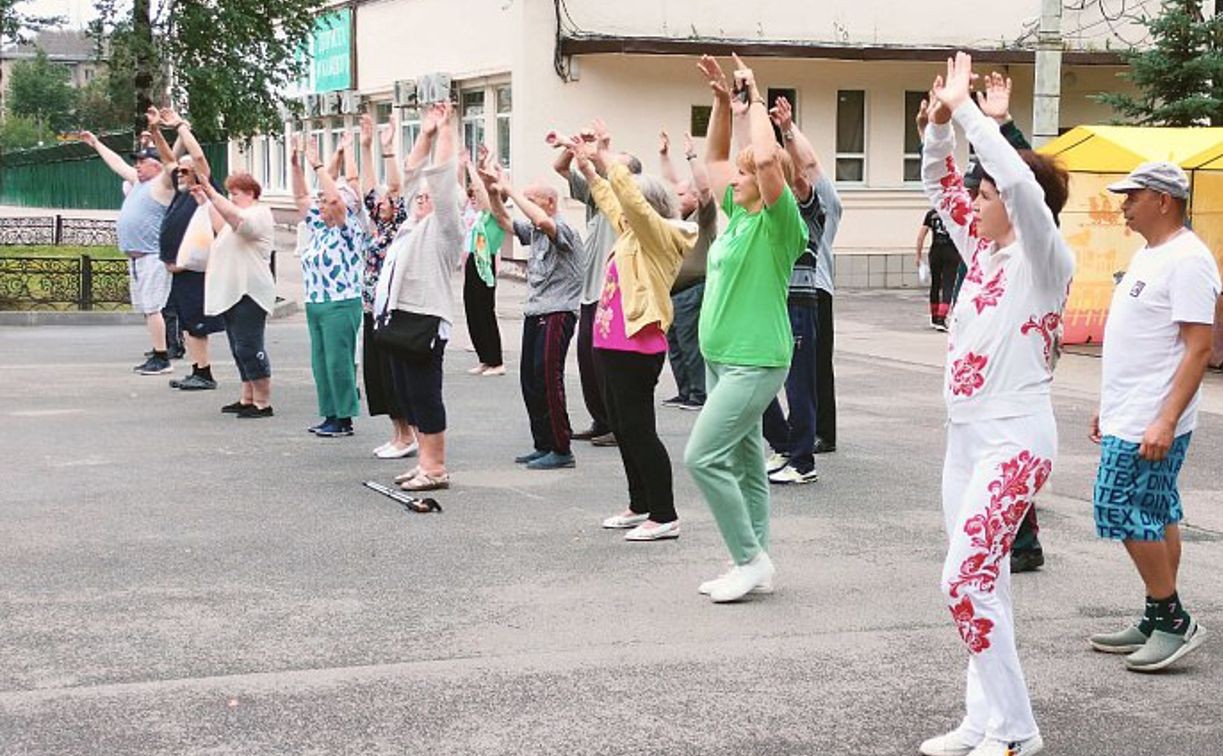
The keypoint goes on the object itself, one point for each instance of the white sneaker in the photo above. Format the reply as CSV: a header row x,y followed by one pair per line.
x,y
742,579
991,747
706,587
625,521
789,475
775,462
653,531
390,451
951,744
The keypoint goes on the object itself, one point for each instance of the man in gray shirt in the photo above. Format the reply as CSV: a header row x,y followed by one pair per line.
x,y
600,238
697,205
554,291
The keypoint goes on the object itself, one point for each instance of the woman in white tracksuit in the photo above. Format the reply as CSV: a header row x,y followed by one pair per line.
x,y
1001,435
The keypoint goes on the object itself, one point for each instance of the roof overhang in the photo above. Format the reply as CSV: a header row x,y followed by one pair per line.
x,y
598,44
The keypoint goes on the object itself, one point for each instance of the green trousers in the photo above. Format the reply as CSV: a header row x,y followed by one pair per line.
x,y
333,343
725,453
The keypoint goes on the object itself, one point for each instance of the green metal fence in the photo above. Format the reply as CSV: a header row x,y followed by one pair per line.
x,y
72,175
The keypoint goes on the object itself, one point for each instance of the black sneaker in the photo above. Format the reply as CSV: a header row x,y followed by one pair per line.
x,y
335,428
155,366
1027,561
178,353
195,382
327,423
234,408
251,412
675,401
823,447
692,404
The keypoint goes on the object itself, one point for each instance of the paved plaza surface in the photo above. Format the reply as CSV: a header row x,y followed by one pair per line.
x,y
177,581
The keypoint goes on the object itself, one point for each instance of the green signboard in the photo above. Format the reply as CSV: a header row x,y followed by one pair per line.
x,y
331,67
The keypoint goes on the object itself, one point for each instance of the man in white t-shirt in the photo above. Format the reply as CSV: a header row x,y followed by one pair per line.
x,y
1157,343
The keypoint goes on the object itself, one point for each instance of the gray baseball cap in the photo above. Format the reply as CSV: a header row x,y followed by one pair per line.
x,y
1161,176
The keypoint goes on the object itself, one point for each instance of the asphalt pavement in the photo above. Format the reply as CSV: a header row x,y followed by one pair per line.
x,y
177,581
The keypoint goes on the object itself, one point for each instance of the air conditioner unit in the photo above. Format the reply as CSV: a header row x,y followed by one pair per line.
x,y
310,106
405,93
435,87
284,111
331,104
350,102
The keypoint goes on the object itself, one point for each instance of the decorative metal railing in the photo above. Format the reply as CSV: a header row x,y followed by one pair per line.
x,y
54,230
63,283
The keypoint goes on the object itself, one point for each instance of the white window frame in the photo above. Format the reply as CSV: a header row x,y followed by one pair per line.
x,y
860,156
477,121
503,152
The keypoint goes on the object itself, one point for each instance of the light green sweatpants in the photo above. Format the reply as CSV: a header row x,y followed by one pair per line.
x,y
725,453
333,330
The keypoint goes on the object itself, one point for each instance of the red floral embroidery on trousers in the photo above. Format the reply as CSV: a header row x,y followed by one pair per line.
x,y
966,374
974,630
1047,328
992,532
991,292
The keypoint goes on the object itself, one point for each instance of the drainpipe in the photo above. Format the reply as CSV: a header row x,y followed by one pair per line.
x,y
1047,92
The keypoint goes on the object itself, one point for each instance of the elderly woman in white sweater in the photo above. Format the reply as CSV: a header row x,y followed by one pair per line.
x,y
413,307
1001,435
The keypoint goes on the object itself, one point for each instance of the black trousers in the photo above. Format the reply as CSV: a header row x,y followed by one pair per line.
x,y
825,390
629,379
479,304
592,389
376,370
944,261
545,344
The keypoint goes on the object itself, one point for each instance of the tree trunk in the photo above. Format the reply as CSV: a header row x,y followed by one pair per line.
x,y
145,62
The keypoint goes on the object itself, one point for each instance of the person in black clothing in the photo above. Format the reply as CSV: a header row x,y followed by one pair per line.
x,y
184,247
944,260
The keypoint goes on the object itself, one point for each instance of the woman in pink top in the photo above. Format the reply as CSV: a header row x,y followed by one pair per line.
x,y
631,321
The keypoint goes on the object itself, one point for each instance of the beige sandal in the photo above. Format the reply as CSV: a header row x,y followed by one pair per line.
x,y
405,477
425,482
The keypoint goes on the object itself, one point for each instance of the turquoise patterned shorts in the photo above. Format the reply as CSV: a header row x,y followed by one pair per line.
x,y
1136,498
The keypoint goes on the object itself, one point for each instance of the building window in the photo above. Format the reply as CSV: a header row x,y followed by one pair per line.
x,y
473,120
698,122
280,165
912,158
265,161
504,110
851,136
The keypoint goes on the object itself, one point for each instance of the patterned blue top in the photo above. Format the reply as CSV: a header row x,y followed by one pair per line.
x,y
331,265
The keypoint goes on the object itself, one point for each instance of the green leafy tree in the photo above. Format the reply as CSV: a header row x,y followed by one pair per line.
x,y
1180,77
42,90
14,25
97,107
18,132
231,60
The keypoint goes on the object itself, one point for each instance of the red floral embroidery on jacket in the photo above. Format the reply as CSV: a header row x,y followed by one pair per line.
x,y
1047,328
973,629
991,292
966,374
992,533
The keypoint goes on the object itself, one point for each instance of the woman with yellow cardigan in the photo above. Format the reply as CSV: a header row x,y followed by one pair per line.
x,y
630,328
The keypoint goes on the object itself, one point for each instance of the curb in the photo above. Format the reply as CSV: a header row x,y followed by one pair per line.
x,y
284,309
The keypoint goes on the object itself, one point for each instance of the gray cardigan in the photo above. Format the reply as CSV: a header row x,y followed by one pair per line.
x,y
427,253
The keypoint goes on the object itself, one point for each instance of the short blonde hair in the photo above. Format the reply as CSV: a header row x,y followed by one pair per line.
x,y
746,161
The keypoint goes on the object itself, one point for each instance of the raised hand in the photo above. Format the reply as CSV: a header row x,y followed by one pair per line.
x,y
602,135
745,78
481,154
89,138
429,122
715,76
956,89
146,139
388,136
782,114
689,147
170,118
154,117
311,153
664,142
936,111
367,130
995,101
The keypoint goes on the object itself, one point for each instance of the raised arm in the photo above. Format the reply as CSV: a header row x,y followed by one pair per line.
x,y
125,171
478,190
491,176
301,192
764,146
717,143
423,147
535,214
564,159
394,181
1023,196
351,175
700,174
199,160
665,166
369,170
943,182
231,213
801,152
593,165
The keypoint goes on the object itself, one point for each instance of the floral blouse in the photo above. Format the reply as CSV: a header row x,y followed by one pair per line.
x,y
381,234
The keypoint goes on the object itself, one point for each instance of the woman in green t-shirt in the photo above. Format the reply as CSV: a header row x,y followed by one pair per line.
x,y
480,273
744,328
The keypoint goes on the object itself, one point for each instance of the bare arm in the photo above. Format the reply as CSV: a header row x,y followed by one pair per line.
x,y
717,144
921,241
764,147
350,162
424,143
806,163
534,212
231,213
301,193
478,189
189,142
1159,436
394,181
564,160
113,161
700,174
369,170
665,165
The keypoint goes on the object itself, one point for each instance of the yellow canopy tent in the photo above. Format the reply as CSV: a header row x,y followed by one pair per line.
x,y
1097,156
